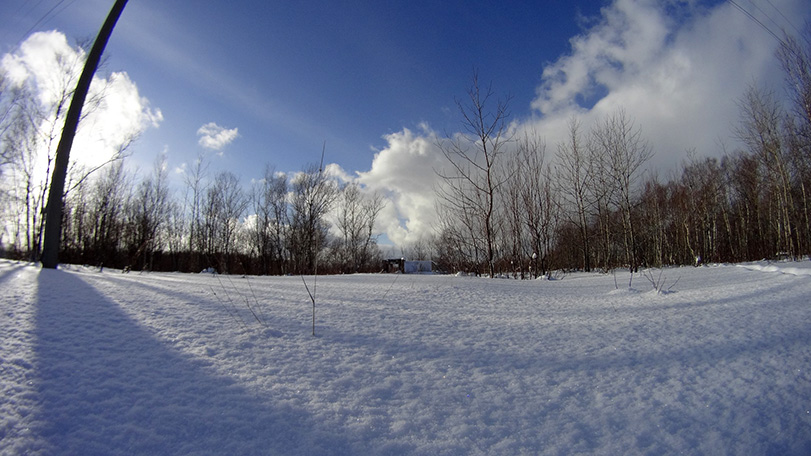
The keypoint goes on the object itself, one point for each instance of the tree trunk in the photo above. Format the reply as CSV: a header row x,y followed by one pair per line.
x,y
53,221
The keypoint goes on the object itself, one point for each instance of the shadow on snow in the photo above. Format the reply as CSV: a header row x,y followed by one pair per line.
x,y
107,386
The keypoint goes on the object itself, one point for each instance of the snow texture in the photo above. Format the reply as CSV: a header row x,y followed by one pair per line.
x,y
105,363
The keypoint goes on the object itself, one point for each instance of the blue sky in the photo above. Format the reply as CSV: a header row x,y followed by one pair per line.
x,y
377,80
290,76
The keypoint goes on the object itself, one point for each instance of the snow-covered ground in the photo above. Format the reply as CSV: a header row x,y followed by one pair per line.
x,y
110,363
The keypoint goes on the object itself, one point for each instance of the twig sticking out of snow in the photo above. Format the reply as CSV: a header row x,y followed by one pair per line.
x,y
233,308
659,282
256,301
228,309
673,285
247,302
396,276
312,296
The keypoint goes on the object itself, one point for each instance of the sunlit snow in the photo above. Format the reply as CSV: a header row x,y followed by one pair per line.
x,y
109,363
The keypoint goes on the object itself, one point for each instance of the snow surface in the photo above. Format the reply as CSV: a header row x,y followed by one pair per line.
x,y
110,363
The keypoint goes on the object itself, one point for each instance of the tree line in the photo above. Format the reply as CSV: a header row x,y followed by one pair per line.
x,y
288,232
122,221
511,206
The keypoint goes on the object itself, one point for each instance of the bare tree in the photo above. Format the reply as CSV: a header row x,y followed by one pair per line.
x,y
746,187
10,115
20,142
10,118
224,205
174,232
110,196
544,195
704,183
653,222
574,180
355,221
421,249
270,206
313,197
195,191
515,244
623,153
537,201
760,130
29,133
148,212
31,117
796,62
603,193
473,181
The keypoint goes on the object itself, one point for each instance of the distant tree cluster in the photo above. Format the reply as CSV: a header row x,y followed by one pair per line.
x,y
520,211
118,219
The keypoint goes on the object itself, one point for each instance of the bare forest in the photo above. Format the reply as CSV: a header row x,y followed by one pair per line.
x,y
515,205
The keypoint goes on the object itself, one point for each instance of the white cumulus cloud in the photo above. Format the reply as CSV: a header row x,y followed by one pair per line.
x,y
405,173
677,68
215,137
114,115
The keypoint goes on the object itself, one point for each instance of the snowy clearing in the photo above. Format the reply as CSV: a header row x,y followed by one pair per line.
x,y
112,363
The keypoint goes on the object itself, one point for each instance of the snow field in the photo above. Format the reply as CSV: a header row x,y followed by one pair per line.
x,y
111,363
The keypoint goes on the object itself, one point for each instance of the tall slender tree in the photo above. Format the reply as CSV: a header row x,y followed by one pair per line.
x,y
573,180
473,180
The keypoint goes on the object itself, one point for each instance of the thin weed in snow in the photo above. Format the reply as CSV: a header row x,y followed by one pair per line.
x,y
396,276
655,277
659,281
312,295
231,306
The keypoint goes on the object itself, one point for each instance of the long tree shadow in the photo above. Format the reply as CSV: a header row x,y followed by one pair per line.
x,y
107,386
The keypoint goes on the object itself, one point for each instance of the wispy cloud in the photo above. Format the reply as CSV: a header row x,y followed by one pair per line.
x,y
215,137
